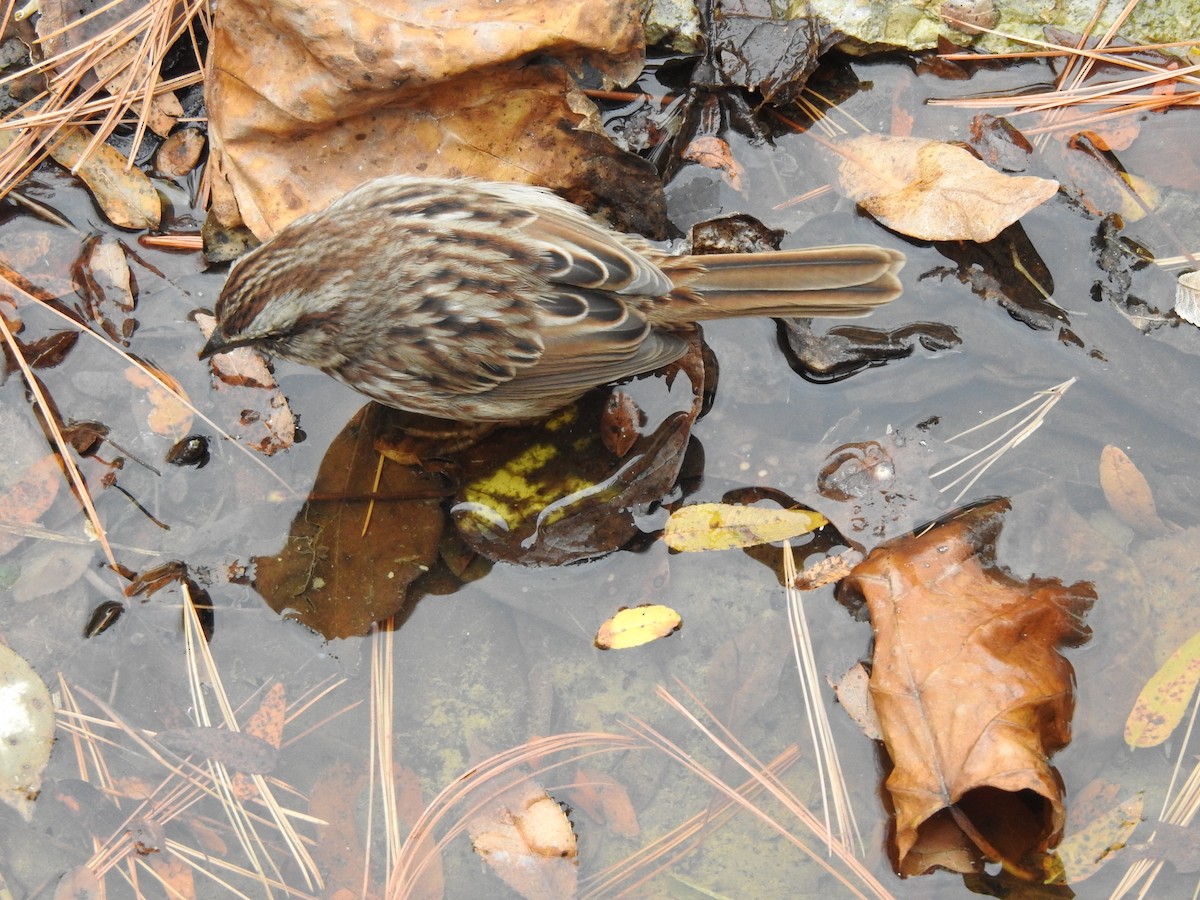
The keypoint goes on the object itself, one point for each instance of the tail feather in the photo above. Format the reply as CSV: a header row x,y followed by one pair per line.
x,y
823,281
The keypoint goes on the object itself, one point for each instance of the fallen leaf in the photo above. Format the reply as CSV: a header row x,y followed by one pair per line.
x,y
713,153
971,692
935,191
180,152
1128,493
26,732
302,110
168,415
265,421
235,749
1082,853
853,693
1163,701
637,626
340,572
526,839
266,723
125,194
605,799
725,526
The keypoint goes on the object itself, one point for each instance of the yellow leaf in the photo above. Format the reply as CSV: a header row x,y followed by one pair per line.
x,y
1083,852
1165,698
723,526
637,626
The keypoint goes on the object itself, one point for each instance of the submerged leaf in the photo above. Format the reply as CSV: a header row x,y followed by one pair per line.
x,y
725,526
1128,493
26,732
527,839
1165,698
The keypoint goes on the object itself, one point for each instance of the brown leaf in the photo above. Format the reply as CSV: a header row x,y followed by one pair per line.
x,y
301,111
333,575
933,190
180,152
265,421
1128,493
125,194
971,692
605,799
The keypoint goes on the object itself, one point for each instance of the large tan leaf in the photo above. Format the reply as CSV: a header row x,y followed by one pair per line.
x,y
933,190
971,691
308,99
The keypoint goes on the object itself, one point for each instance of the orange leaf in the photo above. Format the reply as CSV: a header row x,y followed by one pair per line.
x,y
971,693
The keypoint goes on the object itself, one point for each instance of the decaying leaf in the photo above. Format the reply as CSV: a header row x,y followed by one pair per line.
x,y
1128,493
632,627
853,693
1082,853
341,570
1187,297
528,841
235,749
26,732
125,194
168,415
935,191
971,779
1165,698
725,526
266,724
605,799
265,420
302,110
551,493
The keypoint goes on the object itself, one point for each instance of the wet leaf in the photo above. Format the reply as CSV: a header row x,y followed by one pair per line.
x,y
1128,493
637,626
167,414
526,839
125,194
265,421
180,152
401,89
605,800
340,572
854,695
265,723
551,493
949,623
935,191
1082,853
102,278
724,526
235,749
26,732
1163,701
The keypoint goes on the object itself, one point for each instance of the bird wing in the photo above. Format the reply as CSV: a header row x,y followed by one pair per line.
x,y
590,338
578,251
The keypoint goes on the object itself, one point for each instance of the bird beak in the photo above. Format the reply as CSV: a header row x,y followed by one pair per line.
x,y
216,344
